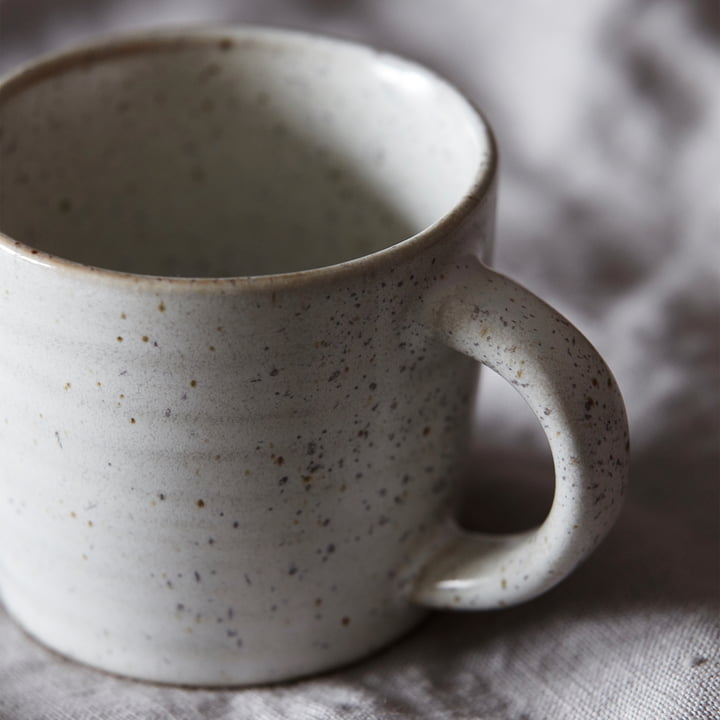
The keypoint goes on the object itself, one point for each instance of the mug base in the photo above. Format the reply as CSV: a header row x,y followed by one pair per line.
x,y
242,675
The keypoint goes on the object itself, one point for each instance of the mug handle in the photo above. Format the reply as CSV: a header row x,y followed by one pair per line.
x,y
487,316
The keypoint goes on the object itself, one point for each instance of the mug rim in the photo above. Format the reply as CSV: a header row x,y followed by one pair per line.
x,y
116,45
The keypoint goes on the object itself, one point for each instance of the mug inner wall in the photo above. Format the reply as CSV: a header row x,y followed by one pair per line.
x,y
231,157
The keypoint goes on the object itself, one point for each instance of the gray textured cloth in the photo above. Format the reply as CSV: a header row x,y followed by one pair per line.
x,y
608,118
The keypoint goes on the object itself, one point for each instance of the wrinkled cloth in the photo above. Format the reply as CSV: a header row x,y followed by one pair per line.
x,y
607,114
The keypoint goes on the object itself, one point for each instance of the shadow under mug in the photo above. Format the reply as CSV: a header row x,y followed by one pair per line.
x,y
242,306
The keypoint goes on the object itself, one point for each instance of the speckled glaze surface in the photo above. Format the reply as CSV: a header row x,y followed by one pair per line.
x,y
235,396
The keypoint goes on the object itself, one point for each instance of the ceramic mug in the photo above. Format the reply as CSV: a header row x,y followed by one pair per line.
x,y
243,303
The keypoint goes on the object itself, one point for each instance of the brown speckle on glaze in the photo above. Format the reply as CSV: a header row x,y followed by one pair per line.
x,y
197,174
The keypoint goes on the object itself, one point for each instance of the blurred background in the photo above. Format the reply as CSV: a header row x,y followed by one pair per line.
x,y
607,114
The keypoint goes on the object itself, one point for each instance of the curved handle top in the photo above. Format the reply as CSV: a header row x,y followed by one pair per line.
x,y
574,396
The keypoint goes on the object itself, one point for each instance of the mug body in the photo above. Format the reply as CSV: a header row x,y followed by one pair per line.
x,y
211,476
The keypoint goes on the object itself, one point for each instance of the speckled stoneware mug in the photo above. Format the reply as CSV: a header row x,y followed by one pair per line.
x,y
242,308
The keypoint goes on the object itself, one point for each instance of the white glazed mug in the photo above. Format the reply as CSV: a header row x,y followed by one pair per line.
x,y
242,306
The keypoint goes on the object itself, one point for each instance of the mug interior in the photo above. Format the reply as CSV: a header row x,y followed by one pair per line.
x,y
235,153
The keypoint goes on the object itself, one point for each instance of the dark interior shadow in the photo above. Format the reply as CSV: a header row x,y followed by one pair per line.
x,y
511,491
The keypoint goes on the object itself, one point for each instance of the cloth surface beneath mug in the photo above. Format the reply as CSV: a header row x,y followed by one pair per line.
x,y
608,117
